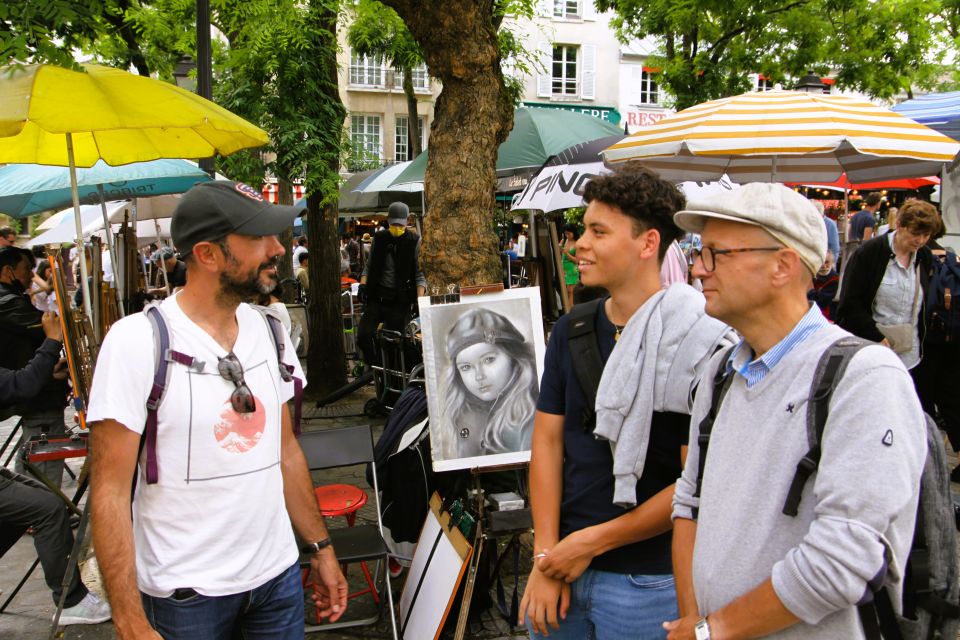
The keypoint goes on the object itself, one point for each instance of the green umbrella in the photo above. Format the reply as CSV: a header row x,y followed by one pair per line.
x,y
537,135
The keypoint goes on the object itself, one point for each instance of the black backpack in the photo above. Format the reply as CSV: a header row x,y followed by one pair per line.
x,y
585,356
943,300
931,592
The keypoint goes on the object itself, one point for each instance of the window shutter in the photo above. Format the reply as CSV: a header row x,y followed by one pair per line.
x,y
588,79
545,8
545,79
587,10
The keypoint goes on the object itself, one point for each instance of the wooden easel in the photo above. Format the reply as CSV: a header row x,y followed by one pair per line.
x,y
481,535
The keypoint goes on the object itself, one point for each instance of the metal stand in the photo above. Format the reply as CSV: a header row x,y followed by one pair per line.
x,y
6,443
72,566
84,481
481,535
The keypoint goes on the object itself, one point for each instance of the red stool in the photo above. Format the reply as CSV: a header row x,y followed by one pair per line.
x,y
344,500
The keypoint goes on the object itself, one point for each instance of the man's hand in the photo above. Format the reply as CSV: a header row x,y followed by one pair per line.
x,y
330,587
60,370
51,326
683,628
569,558
542,599
362,293
142,632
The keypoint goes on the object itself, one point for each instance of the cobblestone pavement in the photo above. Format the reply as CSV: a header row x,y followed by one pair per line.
x,y
30,614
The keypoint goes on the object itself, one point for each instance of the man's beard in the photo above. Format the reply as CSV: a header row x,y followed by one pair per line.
x,y
234,290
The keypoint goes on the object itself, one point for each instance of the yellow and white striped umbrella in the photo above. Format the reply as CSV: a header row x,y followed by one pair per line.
x,y
786,136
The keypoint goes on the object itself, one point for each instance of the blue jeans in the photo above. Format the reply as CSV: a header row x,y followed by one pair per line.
x,y
274,610
611,606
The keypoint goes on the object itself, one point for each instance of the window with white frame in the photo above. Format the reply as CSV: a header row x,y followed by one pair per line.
x,y
649,90
564,70
401,140
366,71
365,137
566,9
421,79
764,84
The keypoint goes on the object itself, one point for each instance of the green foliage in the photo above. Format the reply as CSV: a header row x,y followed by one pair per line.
x,y
273,75
377,31
49,31
708,48
574,215
517,61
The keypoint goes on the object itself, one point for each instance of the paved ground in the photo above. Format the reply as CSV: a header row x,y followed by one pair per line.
x,y
29,615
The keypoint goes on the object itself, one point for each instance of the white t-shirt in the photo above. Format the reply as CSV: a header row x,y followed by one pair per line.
x,y
216,520
296,256
282,312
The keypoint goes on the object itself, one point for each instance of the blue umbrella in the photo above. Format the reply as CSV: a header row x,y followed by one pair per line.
x,y
26,189
940,111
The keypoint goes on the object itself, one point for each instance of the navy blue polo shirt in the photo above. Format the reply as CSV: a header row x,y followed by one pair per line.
x,y
587,497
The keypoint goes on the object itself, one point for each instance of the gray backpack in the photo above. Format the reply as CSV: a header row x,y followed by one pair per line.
x,y
931,591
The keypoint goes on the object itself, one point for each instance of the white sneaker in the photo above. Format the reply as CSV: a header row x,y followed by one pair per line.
x,y
90,610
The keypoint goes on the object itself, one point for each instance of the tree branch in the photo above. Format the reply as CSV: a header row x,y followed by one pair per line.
x,y
716,50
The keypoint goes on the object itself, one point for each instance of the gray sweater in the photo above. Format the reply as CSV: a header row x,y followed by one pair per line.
x,y
857,513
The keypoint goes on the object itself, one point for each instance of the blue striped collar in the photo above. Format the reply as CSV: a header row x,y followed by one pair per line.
x,y
753,371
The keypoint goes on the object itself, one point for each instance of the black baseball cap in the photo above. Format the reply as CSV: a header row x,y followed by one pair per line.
x,y
211,210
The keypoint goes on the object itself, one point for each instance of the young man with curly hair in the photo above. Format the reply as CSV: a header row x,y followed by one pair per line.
x,y
602,474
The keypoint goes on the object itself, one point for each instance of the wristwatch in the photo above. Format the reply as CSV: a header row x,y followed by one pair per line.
x,y
702,630
314,547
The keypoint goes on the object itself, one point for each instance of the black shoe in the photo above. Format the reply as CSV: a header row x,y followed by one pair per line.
x,y
955,474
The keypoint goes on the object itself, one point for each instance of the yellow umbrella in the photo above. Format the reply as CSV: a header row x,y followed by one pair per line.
x,y
112,115
56,116
786,136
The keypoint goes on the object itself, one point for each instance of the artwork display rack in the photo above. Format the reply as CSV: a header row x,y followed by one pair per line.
x,y
476,495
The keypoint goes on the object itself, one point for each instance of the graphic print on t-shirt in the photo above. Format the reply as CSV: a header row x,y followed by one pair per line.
x,y
240,432
223,443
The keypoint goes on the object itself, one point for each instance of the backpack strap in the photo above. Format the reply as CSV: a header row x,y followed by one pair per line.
x,y
829,370
163,355
286,370
722,379
585,355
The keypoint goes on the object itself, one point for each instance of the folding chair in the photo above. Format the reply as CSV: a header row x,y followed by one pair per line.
x,y
344,447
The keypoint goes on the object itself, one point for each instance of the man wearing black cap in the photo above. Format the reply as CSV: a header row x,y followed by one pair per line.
x,y
391,280
211,549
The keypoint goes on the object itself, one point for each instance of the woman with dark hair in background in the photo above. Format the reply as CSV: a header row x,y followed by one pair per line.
x,y
41,288
491,387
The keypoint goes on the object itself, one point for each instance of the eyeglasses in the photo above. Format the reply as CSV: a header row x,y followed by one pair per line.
x,y
708,255
241,399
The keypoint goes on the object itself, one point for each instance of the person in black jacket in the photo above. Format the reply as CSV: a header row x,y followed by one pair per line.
x,y
391,281
26,503
884,286
21,334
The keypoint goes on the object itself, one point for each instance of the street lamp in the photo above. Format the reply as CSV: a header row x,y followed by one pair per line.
x,y
811,83
181,73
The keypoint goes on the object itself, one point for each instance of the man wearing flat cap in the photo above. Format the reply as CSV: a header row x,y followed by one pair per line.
x,y
744,567
221,481
391,281
165,258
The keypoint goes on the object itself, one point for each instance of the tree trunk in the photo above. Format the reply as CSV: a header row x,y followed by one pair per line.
x,y
472,116
413,122
285,268
326,357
